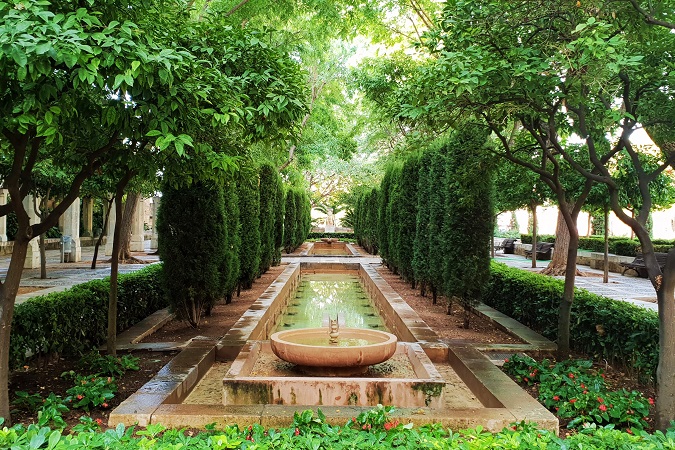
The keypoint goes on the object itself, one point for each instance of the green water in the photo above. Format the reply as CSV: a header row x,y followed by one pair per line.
x,y
324,295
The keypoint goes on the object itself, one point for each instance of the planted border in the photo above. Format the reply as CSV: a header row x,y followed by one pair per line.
x,y
618,332
75,321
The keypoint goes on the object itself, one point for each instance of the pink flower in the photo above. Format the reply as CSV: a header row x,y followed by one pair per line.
x,y
573,400
651,401
600,400
556,398
602,408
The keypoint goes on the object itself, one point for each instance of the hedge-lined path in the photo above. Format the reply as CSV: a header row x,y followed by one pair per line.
x,y
61,276
638,291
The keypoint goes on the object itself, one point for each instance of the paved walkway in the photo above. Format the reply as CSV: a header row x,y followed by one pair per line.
x,y
638,291
60,276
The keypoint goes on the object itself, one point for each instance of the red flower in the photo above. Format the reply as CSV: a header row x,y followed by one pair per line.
x,y
506,360
585,392
629,431
602,375
600,400
582,386
651,401
389,425
573,400
99,421
571,375
602,408
525,379
556,408
79,397
556,398
105,405
297,431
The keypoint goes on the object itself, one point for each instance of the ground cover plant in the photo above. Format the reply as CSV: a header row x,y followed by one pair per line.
x,y
578,394
373,429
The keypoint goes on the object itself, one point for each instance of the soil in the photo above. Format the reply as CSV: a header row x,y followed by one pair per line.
x,y
45,377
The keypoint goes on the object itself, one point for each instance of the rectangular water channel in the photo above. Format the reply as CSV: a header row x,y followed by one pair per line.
x,y
321,296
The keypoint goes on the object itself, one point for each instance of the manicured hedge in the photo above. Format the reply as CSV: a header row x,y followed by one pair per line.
x,y
617,245
75,320
606,329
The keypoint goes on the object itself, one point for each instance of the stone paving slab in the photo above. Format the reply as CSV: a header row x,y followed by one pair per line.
x,y
635,290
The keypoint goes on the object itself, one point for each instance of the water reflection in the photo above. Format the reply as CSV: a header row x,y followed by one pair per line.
x,y
320,296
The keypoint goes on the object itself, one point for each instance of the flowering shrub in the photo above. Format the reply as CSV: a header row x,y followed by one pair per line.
x,y
575,392
108,365
90,390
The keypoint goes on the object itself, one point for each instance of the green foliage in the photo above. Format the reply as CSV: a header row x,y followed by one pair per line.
x,y
90,390
420,262
469,223
617,245
109,365
606,329
74,321
269,182
51,413
365,226
248,193
575,392
438,211
289,221
394,217
407,206
311,430
230,269
192,237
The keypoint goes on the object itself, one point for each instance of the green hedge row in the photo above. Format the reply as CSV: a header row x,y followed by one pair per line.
x,y
617,245
606,329
330,235
75,321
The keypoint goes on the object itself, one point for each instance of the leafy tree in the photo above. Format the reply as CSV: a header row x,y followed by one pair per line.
x,y
192,232
278,220
394,217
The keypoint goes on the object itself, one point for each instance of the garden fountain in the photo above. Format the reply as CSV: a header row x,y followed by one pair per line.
x,y
345,352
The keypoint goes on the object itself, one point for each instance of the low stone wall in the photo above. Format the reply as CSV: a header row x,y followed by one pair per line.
x,y
595,260
50,244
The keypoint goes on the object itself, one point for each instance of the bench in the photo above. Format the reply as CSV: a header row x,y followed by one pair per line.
x,y
510,243
509,246
543,249
638,264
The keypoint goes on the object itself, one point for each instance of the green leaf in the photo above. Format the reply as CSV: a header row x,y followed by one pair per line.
x,y
19,56
135,65
153,133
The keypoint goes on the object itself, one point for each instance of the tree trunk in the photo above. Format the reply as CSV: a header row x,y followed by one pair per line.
x,y
43,258
559,264
568,294
111,345
588,226
8,291
605,262
423,288
665,372
127,222
100,236
434,295
533,208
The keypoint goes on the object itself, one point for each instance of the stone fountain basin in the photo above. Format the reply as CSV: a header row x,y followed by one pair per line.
x,y
421,384
357,349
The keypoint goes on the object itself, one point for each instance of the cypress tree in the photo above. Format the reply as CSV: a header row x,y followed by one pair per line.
x,y
299,218
192,237
249,231
437,213
231,264
268,175
383,217
420,262
371,217
394,217
468,229
407,206
289,220
279,208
